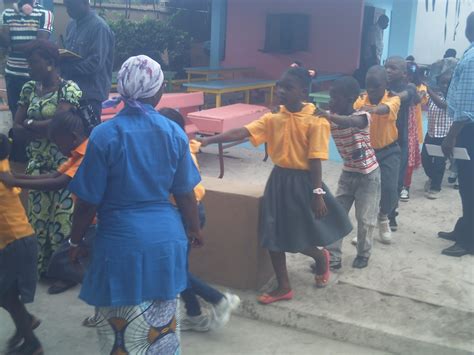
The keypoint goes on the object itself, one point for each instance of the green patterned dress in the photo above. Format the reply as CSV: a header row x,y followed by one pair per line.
x,y
49,212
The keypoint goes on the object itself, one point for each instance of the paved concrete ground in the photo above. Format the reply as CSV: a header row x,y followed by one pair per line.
x,y
62,334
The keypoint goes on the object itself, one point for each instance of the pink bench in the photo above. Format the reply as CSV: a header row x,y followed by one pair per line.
x,y
222,119
184,102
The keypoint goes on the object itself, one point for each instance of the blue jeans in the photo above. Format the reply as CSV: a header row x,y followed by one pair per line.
x,y
197,287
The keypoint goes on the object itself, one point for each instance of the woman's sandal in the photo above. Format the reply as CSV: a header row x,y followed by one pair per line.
x,y
267,299
323,280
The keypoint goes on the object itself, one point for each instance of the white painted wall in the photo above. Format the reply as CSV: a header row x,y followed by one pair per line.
x,y
429,44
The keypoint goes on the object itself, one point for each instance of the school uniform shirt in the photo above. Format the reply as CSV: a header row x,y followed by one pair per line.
x,y
423,92
355,148
383,128
24,28
70,166
199,190
14,224
439,121
293,138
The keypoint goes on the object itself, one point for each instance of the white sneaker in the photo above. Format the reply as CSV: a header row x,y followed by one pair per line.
x,y
432,194
385,233
223,310
405,195
200,323
354,241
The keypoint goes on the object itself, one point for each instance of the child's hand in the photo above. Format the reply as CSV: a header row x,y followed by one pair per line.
x,y
7,179
319,206
203,141
196,239
320,112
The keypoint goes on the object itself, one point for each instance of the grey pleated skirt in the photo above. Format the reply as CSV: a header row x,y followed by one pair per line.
x,y
287,221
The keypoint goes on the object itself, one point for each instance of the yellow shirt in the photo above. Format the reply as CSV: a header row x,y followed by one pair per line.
x,y
383,128
423,92
292,138
13,221
199,190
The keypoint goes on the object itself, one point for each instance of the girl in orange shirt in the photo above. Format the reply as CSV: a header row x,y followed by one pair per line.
x,y
298,213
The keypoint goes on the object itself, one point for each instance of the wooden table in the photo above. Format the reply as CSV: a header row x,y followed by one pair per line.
x,y
220,87
320,98
218,120
207,71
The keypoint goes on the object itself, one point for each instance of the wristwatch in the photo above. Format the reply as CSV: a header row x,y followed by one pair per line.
x,y
319,191
29,122
74,245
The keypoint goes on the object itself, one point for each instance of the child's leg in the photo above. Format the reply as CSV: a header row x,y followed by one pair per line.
x,y
345,196
20,316
319,257
367,197
408,176
203,290
279,266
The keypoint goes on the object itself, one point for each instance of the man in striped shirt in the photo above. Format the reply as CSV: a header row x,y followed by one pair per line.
x,y
24,23
359,183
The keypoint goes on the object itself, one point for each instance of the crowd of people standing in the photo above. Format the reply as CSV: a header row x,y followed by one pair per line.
x,y
129,189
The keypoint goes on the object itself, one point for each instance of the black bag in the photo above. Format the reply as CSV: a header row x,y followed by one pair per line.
x,y
18,147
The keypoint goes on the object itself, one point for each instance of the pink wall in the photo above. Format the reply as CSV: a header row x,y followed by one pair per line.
x,y
334,41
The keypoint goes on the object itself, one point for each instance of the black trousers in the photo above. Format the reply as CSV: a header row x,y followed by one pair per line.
x,y
434,166
96,107
464,229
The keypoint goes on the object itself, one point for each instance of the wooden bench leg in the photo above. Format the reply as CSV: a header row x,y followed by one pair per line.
x,y
218,100
247,97
221,160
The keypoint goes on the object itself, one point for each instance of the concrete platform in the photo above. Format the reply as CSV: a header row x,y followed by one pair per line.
x,y
410,300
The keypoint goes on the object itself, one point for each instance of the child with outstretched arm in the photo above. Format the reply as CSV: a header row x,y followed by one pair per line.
x,y
298,213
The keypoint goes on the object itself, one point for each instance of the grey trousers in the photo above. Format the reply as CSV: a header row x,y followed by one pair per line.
x,y
389,162
364,192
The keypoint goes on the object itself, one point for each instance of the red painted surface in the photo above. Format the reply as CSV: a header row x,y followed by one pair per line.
x,y
222,119
334,41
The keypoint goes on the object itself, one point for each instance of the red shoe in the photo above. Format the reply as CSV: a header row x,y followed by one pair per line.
x,y
323,280
267,299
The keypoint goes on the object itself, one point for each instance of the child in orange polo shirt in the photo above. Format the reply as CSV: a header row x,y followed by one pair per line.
x,y
383,108
298,213
18,260
222,303
69,132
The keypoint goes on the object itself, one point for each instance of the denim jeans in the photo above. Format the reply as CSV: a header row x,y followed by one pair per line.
x,y
363,190
197,287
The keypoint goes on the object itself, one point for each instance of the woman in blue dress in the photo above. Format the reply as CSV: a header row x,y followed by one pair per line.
x,y
138,266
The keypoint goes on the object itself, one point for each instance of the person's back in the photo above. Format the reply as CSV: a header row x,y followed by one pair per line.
x,y
135,180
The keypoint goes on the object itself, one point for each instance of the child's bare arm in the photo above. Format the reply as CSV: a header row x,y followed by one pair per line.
x,y
42,183
187,206
35,177
233,135
438,101
357,121
380,109
318,204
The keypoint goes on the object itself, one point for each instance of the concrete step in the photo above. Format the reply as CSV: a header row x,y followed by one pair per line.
x,y
371,318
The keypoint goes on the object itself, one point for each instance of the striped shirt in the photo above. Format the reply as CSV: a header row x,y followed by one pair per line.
x,y
355,148
24,28
439,122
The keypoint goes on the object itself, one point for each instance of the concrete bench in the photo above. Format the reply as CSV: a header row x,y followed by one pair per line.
x,y
183,102
232,255
218,120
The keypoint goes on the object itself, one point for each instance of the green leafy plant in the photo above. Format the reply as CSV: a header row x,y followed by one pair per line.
x,y
157,39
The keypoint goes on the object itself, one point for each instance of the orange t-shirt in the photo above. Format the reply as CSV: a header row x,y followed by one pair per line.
x,y
70,167
14,224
